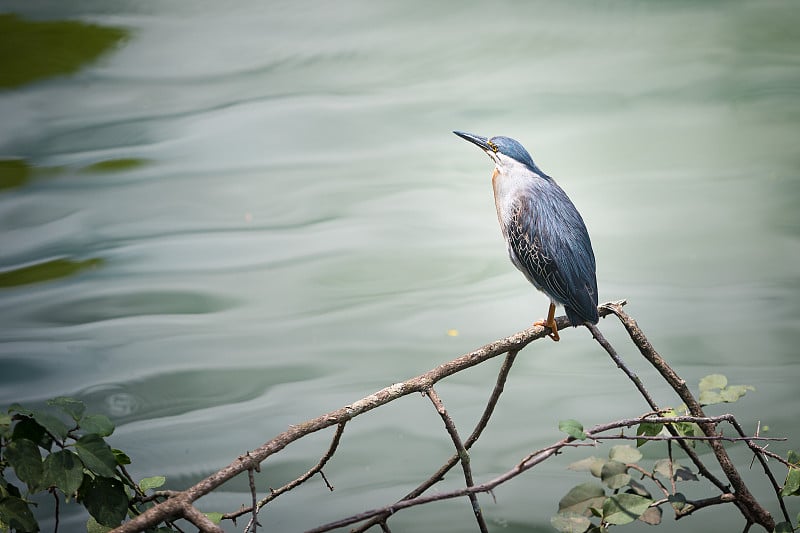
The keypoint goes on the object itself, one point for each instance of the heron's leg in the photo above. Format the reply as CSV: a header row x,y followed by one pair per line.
x,y
550,323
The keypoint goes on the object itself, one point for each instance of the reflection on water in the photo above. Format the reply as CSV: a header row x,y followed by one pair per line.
x,y
139,303
48,270
239,216
36,50
175,393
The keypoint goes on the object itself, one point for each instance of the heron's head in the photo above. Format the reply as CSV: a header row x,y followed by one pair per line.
x,y
504,151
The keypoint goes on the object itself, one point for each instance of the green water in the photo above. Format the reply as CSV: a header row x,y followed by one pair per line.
x,y
220,219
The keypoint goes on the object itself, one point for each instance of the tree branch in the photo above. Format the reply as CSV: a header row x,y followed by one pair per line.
x,y
181,504
461,452
516,342
745,501
499,386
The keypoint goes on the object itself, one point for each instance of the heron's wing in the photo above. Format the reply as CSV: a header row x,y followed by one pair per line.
x,y
539,267
555,253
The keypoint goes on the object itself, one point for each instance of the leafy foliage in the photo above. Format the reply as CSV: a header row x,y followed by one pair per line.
x,y
573,428
628,500
791,487
620,499
77,465
715,389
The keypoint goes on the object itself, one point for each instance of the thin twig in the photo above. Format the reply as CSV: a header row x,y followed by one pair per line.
x,y
58,502
689,437
621,365
274,493
649,475
759,453
696,505
462,453
254,520
525,464
499,386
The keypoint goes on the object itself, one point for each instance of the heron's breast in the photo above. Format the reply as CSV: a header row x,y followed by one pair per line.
x,y
505,197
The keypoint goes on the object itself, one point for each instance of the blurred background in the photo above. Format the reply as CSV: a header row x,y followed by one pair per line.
x,y
221,218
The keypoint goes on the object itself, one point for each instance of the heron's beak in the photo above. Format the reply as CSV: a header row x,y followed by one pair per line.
x,y
482,142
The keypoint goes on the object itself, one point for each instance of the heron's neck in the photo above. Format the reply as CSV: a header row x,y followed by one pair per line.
x,y
510,183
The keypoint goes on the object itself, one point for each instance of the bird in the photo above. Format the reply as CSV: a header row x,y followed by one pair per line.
x,y
545,234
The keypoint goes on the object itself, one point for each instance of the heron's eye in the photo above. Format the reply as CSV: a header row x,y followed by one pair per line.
x,y
492,146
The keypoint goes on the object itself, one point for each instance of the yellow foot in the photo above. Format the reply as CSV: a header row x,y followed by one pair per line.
x,y
550,323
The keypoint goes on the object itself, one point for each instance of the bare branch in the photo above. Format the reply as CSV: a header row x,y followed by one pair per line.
x,y
499,386
516,342
181,504
274,493
201,521
745,501
253,525
462,453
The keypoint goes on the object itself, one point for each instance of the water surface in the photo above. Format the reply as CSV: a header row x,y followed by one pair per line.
x,y
240,216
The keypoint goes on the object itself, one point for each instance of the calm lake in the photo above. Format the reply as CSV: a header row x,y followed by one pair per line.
x,y
230,217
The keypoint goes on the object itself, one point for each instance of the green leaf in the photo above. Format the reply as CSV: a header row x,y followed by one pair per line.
x,y
791,487
624,454
784,527
581,497
569,522
638,488
624,508
615,475
96,455
121,457
24,457
713,381
663,467
8,489
215,517
676,470
151,483
684,474
27,428
93,526
734,392
651,516
5,424
105,499
17,515
710,397
98,424
573,428
793,457
72,407
687,429
677,500
591,464
649,429
64,470
51,423
17,408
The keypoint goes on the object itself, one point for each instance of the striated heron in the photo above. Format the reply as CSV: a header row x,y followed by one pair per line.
x,y
545,235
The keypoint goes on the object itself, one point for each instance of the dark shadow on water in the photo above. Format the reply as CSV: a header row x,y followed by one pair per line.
x,y
36,50
46,271
179,392
133,304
